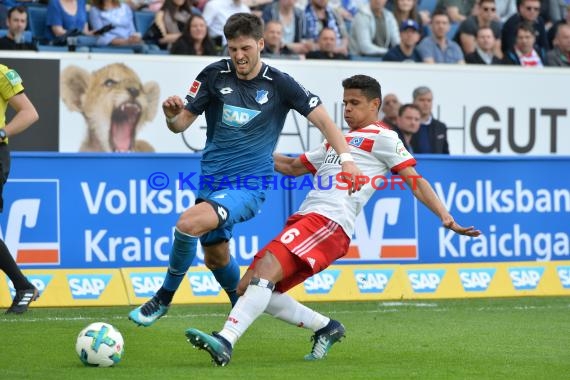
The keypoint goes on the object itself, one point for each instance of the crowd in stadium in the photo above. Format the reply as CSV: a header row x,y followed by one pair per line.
x,y
512,32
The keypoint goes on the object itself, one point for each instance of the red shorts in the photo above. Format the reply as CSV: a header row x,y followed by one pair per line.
x,y
307,245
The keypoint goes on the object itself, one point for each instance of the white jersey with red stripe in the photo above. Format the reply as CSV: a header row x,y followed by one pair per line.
x,y
376,150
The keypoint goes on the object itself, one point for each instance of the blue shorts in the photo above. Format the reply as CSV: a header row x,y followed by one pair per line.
x,y
241,205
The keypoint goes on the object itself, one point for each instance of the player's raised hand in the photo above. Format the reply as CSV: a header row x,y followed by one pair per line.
x,y
172,106
451,224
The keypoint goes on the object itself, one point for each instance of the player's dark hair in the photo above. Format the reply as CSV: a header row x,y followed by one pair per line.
x,y
243,25
369,86
406,106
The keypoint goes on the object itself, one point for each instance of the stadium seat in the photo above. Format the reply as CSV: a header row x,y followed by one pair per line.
x,y
27,35
111,50
60,49
37,22
143,21
453,28
363,58
427,5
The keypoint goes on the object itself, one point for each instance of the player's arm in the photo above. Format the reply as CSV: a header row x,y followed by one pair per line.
x,y
320,118
286,165
424,193
178,119
25,116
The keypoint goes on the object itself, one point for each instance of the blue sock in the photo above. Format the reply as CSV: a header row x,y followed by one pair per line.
x,y
228,277
181,256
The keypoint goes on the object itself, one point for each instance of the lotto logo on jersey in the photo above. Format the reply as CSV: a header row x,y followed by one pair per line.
x,y
88,286
476,280
386,229
204,284
564,276
146,284
321,283
237,116
425,280
526,278
30,223
373,280
40,281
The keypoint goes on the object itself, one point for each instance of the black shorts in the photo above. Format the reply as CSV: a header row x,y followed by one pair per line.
x,y
4,170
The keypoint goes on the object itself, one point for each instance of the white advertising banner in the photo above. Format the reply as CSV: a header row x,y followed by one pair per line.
x,y
488,110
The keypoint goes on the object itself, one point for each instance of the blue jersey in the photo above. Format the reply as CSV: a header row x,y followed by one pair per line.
x,y
244,117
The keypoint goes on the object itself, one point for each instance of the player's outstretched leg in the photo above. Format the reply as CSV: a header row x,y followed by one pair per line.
x,y
22,300
181,257
324,339
219,348
149,312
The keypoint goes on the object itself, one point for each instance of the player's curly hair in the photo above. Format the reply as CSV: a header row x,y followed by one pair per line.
x,y
243,24
368,85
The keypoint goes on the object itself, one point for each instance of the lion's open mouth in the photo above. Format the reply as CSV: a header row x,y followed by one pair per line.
x,y
124,122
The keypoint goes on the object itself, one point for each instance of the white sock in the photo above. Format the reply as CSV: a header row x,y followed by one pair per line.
x,y
246,310
287,309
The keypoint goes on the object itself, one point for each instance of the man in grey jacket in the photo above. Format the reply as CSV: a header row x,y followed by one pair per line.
x,y
374,30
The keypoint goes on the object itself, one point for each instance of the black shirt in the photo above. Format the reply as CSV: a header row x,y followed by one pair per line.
x,y
322,55
7,43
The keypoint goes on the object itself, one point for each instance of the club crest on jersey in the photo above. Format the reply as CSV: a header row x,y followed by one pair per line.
x,y
194,88
356,141
261,96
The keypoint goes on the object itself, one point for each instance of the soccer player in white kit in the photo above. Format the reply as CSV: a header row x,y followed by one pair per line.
x,y
319,233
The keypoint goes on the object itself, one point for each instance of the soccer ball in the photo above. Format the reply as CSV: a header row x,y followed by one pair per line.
x,y
100,345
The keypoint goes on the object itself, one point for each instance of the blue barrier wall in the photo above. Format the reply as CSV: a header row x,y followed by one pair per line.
x,y
101,211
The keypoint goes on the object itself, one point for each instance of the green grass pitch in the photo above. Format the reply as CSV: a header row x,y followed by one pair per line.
x,y
523,338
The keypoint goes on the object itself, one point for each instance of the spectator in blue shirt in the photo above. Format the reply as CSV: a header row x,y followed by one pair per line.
x,y
406,51
438,48
66,19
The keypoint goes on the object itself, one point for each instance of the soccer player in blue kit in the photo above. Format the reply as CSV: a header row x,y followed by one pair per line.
x,y
246,103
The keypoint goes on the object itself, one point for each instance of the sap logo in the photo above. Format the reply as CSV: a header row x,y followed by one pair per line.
x,y
526,278
40,281
88,286
237,116
372,281
476,280
146,284
204,284
30,228
321,283
425,280
564,276
377,240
